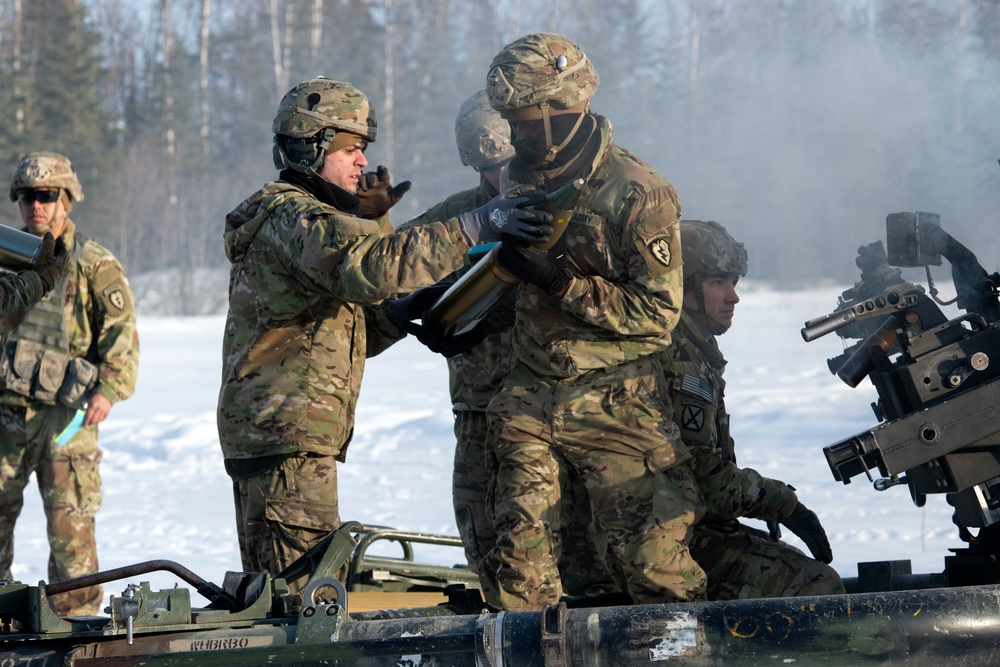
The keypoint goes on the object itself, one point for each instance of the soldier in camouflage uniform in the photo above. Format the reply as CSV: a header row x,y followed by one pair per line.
x,y
20,292
591,317
483,139
78,349
740,562
307,274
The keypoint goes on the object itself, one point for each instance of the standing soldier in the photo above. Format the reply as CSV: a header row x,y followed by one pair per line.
x,y
740,562
591,317
19,293
304,267
78,349
483,139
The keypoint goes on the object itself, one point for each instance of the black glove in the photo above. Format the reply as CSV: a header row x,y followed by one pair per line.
x,y
506,214
534,266
805,524
377,193
413,306
51,262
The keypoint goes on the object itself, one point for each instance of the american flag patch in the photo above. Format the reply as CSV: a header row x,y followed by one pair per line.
x,y
697,387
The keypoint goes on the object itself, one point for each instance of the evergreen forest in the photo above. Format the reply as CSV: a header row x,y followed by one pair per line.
x,y
799,124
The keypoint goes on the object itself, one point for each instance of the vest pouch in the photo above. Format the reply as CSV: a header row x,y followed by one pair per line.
x,y
24,355
81,377
51,371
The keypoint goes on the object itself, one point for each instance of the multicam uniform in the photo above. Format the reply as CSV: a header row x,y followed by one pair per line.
x,y
473,378
584,397
294,351
740,562
88,315
18,293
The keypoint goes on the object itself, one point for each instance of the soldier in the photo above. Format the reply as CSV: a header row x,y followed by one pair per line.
x,y
304,268
740,562
20,292
76,350
590,317
483,139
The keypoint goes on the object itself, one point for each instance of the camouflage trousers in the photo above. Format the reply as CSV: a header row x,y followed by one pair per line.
x,y
69,481
742,562
284,512
606,428
581,568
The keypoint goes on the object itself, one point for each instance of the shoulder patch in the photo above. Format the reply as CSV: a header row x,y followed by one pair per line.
x,y
115,296
692,417
697,387
660,249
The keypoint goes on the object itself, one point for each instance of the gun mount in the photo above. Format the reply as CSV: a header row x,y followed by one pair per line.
x,y
937,379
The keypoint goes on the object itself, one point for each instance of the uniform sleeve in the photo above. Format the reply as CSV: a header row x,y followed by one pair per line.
x,y
648,301
18,293
351,258
730,492
114,330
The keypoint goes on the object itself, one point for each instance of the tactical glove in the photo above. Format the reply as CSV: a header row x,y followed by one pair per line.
x,y
52,259
377,193
534,266
805,524
413,306
507,214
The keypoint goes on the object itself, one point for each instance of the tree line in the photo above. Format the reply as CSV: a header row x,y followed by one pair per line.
x,y
798,124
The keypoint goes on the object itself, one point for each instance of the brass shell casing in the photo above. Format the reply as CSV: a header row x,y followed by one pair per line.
x,y
466,302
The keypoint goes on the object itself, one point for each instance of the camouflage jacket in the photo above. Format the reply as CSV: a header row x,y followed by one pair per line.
x,y
100,317
18,293
296,336
474,375
693,366
623,248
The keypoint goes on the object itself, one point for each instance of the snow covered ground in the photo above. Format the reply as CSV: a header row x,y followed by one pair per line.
x,y
166,495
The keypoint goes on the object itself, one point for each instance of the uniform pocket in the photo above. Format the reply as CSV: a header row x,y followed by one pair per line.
x,y
80,378
51,371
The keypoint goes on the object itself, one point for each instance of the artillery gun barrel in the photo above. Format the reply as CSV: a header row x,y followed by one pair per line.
x,y
913,628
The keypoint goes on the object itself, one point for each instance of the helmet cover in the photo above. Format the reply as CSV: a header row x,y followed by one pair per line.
x,y
482,135
540,68
708,249
46,170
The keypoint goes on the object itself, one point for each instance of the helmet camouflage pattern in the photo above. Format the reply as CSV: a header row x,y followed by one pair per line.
x,y
483,137
708,249
46,170
541,68
320,103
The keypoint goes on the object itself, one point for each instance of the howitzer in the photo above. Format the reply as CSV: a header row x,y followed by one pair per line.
x,y
938,379
255,620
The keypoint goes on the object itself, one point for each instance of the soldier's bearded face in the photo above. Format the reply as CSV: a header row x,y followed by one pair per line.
x,y
40,217
720,299
344,167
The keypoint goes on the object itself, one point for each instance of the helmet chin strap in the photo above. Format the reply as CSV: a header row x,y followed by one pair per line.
x,y
552,151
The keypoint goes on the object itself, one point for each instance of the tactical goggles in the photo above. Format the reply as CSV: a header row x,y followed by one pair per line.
x,y
40,196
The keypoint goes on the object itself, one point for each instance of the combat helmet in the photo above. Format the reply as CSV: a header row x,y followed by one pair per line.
x,y
483,137
709,250
539,76
311,114
46,170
